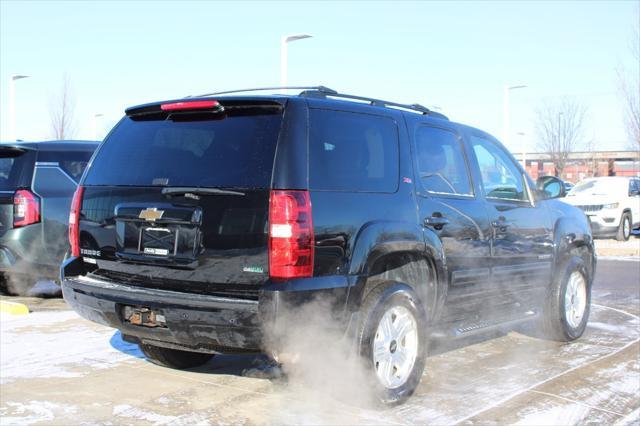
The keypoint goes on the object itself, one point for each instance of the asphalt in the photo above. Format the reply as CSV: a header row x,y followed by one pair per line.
x,y
56,368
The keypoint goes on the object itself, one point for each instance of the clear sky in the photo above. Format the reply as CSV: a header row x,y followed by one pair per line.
x,y
456,56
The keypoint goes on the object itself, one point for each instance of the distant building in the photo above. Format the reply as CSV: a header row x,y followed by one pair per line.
x,y
581,165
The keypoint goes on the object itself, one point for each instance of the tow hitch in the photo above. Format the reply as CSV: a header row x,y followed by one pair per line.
x,y
145,317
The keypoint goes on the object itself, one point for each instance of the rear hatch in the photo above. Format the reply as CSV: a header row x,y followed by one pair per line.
x,y
177,198
16,170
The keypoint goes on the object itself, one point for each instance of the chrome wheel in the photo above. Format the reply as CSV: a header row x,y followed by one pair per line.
x,y
395,347
575,299
626,227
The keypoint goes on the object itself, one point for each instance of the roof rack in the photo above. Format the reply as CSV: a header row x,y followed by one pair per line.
x,y
372,101
319,89
325,92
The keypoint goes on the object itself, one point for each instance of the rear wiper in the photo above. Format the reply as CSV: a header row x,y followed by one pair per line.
x,y
198,191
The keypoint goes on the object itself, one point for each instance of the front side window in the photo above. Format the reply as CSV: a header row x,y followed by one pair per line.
x,y
501,179
441,165
352,152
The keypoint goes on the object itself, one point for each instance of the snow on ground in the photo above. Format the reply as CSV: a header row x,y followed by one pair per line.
x,y
55,344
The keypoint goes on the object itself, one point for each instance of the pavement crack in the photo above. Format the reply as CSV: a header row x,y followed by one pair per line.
x,y
577,402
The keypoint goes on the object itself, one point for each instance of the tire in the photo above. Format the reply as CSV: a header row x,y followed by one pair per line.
x,y
565,319
394,380
174,358
624,229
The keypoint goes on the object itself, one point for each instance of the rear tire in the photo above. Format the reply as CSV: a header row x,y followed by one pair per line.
x,y
624,229
567,306
174,358
392,341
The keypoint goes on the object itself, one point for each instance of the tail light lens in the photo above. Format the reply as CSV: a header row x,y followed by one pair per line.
x,y
74,221
291,237
26,208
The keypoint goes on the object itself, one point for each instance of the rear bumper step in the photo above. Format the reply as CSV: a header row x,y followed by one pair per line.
x,y
206,323
200,323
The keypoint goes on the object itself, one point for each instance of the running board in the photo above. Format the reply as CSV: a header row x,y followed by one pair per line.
x,y
479,327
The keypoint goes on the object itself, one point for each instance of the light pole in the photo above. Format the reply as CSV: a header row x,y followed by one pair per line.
x,y
524,150
506,130
12,105
283,55
95,125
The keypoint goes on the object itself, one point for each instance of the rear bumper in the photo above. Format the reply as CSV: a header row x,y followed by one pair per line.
x,y
204,323
12,263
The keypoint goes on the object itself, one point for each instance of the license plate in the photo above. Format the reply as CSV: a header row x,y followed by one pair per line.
x,y
157,241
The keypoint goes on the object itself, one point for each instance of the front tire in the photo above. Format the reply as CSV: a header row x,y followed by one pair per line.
x,y
174,358
392,341
624,229
567,306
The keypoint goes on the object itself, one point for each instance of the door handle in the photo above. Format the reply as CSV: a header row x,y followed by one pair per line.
x,y
436,221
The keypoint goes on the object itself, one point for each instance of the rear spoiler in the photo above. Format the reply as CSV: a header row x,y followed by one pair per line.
x,y
206,106
11,151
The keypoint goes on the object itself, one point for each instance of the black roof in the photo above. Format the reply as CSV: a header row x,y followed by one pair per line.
x,y
55,145
320,92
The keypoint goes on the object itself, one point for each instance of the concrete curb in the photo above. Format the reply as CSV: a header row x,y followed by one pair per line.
x,y
13,308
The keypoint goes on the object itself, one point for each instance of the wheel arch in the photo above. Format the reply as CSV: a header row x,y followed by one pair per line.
x,y
573,238
391,252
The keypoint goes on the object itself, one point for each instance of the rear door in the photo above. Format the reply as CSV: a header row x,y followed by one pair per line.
x,y
16,169
179,200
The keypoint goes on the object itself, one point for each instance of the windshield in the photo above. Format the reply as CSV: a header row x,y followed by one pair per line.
x,y
595,187
231,152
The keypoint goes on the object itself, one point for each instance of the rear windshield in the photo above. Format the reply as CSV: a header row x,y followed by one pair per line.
x,y
232,152
15,169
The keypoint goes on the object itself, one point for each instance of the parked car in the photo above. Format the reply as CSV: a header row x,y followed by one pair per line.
x,y
203,223
611,203
37,182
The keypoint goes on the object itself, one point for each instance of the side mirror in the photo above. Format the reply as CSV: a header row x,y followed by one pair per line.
x,y
550,187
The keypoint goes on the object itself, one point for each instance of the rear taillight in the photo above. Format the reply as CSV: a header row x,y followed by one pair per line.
x,y
74,221
26,208
290,235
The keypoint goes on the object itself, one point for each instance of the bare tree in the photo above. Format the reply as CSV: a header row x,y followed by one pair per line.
x,y
61,111
629,86
560,127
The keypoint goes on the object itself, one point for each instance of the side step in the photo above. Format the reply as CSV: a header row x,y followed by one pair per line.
x,y
461,330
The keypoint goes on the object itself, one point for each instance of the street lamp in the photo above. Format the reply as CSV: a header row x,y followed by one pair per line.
x,y
12,105
524,150
95,125
506,130
283,55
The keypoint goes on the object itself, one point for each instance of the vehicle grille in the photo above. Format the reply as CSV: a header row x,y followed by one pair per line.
x,y
591,208
236,291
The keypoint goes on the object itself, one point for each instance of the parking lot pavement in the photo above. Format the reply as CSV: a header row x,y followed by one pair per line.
x,y
610,247
58,368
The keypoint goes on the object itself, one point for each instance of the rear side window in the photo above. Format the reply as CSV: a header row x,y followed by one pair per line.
x,y
16,168
72,163
441,164
352,152
230,151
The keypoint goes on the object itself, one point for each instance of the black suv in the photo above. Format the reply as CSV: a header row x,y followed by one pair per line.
x,y
37,182
202,222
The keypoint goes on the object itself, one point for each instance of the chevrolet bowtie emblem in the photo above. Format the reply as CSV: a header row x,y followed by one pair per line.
x,y
151,214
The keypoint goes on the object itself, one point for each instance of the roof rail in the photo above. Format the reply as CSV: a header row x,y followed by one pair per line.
x,y
319,89
312,93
